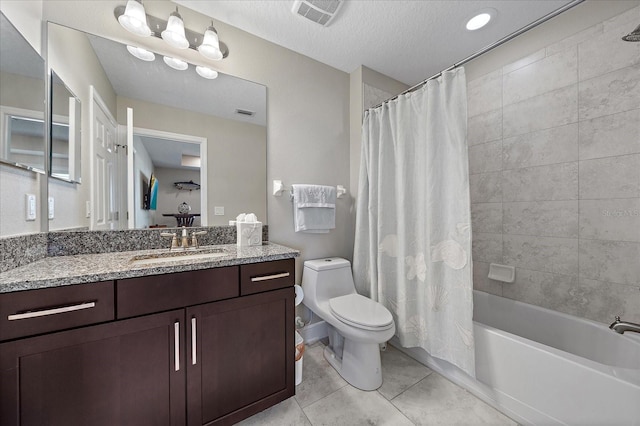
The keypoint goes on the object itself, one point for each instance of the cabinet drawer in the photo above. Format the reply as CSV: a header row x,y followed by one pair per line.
x,y
156,293
265,276
26,313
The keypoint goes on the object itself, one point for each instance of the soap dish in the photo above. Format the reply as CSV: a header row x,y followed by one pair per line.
x,y
502,273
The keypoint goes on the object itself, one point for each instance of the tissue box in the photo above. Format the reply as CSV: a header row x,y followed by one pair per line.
x,y
249,234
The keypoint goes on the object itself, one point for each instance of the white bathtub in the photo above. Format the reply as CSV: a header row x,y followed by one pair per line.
x,y
543,367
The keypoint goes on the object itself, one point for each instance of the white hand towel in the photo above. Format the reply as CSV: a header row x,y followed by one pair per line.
x,y
314,208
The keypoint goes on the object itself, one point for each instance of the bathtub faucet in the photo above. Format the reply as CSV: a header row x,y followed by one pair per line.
x,y
622,326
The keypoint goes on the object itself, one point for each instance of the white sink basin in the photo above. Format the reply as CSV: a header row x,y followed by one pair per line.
x,y
177,256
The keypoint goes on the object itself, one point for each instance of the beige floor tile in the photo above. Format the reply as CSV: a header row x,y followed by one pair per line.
x,y
353,407
319,379
286,413
437,401
399,372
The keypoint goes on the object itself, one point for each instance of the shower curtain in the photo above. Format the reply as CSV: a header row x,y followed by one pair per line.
x,y
413,236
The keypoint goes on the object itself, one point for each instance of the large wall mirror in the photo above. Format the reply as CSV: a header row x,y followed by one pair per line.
x,y
65,132
157,142
22,101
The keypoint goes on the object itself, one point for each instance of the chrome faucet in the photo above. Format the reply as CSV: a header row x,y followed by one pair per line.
x,y
622,326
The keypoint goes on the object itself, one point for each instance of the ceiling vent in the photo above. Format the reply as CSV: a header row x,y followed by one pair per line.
x,y
245,112
319,11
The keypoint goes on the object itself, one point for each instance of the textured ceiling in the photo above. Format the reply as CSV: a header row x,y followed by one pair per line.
x,y
406,40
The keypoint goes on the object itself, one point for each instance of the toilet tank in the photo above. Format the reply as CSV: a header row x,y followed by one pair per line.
x,y
323,279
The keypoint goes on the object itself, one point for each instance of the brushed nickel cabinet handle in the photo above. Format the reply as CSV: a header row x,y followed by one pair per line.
x,y
193,341
176,345
270,277
51,311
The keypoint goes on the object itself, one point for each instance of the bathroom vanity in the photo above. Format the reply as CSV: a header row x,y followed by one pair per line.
x,y
190,342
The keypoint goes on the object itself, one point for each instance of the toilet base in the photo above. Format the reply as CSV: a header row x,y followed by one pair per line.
x,y
360,364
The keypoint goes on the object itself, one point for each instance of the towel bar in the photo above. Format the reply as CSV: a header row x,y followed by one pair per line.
x,y
279,188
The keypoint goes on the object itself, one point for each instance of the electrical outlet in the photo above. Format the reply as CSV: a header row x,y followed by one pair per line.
x,y
87,209
30,207
218,211
51,208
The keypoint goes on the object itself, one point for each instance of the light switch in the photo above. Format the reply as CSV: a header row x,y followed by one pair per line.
x,y
30,207
218,211
51,208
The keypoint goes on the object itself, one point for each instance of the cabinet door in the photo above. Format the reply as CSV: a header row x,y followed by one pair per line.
x,y
122,373
244,356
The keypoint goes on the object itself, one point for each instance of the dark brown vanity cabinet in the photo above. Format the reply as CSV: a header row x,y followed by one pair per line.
x,y
178,349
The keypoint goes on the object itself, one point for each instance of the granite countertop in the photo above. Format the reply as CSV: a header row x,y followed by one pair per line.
x,y
86,268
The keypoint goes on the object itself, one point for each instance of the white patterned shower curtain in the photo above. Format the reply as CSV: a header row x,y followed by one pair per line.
x,y
413,236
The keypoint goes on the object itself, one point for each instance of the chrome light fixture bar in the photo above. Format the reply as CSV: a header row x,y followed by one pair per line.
x,y
159,26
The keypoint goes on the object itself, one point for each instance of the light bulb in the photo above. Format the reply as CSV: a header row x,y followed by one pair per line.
x,y
210,47
206,72
134,19
174,33
176,64
141,53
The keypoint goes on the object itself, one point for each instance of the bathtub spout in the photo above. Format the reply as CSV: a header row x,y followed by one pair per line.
x,y
622,326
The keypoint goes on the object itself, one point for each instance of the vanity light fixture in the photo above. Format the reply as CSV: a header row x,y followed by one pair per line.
x,y
206,72
210,47
175,63
481,19
141,53
134,19
174,33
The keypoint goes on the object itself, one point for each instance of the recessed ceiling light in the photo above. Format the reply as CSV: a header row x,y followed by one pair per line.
x,y
480,20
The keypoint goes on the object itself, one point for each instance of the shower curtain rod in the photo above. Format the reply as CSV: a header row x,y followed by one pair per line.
x,y
487,48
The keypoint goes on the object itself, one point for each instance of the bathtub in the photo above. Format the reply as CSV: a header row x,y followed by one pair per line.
x,y
540,366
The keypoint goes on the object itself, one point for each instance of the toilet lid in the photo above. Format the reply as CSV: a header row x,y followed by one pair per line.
x,y
360,311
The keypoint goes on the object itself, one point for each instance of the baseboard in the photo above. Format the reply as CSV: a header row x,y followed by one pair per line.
x,y
313,332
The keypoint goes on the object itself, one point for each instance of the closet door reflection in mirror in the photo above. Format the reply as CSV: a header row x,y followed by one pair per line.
x,y
65,148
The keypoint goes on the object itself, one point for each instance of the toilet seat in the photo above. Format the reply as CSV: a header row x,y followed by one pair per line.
x,y
361,312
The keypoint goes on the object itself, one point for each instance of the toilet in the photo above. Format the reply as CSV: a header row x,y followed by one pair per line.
x,y
357,325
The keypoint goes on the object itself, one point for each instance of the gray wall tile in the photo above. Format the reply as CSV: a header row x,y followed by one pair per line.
x,y
481,279
630,18
485,127
486,217
551,109
529,59
574,39
606,300
606,52
612,261
611,135
615,219
613,177
487,247
484,94
544,183
486,157
550,73
549,146
541,218
540,288
547,254
610,93
486,187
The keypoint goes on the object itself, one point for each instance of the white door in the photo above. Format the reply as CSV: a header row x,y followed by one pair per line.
x,y
104,166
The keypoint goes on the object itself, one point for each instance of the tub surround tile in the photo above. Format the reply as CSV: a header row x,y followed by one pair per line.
x,y
606,300
437,401
574,39
486,217
541,218
486,187
544,183
549,146
399,372
319,379
613,219
481,280
613,177
629,18
352,406
487,247
286,413
486,127
548,74
610,136
486,157
611,261
548,254
529,59
484,94
551,109
607,52
551,291
21,250
610,93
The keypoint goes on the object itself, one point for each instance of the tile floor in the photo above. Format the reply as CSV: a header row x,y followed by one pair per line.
x,y
411,394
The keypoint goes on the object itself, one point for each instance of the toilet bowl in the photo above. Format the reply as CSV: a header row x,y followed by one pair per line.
x,y
357,325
